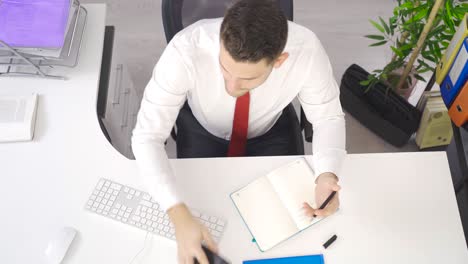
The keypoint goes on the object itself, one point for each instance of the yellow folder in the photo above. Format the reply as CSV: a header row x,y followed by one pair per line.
x,y
452,50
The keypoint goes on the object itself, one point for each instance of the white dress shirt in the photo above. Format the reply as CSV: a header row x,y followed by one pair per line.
x,y
189,70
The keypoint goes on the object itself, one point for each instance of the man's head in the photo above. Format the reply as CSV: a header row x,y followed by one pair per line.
x,y
253,37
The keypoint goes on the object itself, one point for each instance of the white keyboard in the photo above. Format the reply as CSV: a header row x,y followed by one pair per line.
x,y
137,208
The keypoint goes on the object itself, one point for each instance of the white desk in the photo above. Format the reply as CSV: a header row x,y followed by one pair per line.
x,y
395,207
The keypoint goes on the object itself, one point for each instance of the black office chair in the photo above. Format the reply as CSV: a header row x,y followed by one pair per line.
x,y
178,14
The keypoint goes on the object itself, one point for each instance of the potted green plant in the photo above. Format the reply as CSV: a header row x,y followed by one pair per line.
x,y
418,32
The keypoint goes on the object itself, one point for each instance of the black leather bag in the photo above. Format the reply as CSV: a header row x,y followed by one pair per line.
x,y
379,109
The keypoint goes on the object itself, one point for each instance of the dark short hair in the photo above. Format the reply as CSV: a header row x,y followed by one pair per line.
x,y
253,30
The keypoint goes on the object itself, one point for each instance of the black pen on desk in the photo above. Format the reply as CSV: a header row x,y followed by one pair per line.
x,y
324,204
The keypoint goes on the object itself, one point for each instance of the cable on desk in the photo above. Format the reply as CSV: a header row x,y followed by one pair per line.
x,y
148,235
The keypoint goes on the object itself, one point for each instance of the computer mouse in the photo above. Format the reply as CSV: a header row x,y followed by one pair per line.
x,y
59,244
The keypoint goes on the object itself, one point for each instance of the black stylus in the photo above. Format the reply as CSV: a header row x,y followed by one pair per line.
x,y
326,201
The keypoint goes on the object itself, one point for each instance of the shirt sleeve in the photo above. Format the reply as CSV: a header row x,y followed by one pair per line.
x,y
320,100
162,100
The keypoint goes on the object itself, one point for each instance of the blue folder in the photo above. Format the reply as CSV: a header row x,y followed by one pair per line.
x,y
309,259
450,88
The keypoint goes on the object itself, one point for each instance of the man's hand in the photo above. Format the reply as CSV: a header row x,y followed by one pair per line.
x,y
189,235
326,183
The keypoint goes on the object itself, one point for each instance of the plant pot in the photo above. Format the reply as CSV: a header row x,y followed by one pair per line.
x,y
407,89
380,109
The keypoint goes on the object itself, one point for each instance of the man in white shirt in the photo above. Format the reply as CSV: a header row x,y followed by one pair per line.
x,y
237,74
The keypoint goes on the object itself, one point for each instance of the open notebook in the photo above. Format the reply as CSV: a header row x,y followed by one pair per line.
x,y
271,205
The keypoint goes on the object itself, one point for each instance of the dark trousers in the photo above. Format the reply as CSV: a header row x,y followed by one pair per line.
x,y
194,141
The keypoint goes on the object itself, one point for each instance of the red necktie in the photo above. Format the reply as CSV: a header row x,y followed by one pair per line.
x,y
239,127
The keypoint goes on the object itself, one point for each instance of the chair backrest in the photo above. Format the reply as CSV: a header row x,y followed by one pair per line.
x,y
177,14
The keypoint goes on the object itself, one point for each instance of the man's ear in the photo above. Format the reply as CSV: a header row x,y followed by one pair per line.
x,y
279,61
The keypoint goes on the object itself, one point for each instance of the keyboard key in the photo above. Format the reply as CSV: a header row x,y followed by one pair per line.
x,y
221,222
124,220
205,217
213,226
107,184
132,192
154,218
107,208
143,214
109,203
146,197
99,211
115,211
146,203
129,210
218,228
166,229
213,220
150,211
126,189
120,213
100,184
129,196
101,206
107,196
166,222
123,208
143,221
104,201
104,189
126,215
137,193
215,233
155,206
119,218
90,202
150,229
116,186
116,192
98,199
93,197
117,205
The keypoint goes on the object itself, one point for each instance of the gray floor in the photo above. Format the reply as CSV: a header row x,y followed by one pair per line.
x,y
340,25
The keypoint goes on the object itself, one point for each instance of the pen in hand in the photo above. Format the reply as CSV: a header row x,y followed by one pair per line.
x,y
324,204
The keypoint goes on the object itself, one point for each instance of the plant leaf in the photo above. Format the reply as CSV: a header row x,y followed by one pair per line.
x,y
365,82
419,77
376,37
397,51
378,44
387,29
377,26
